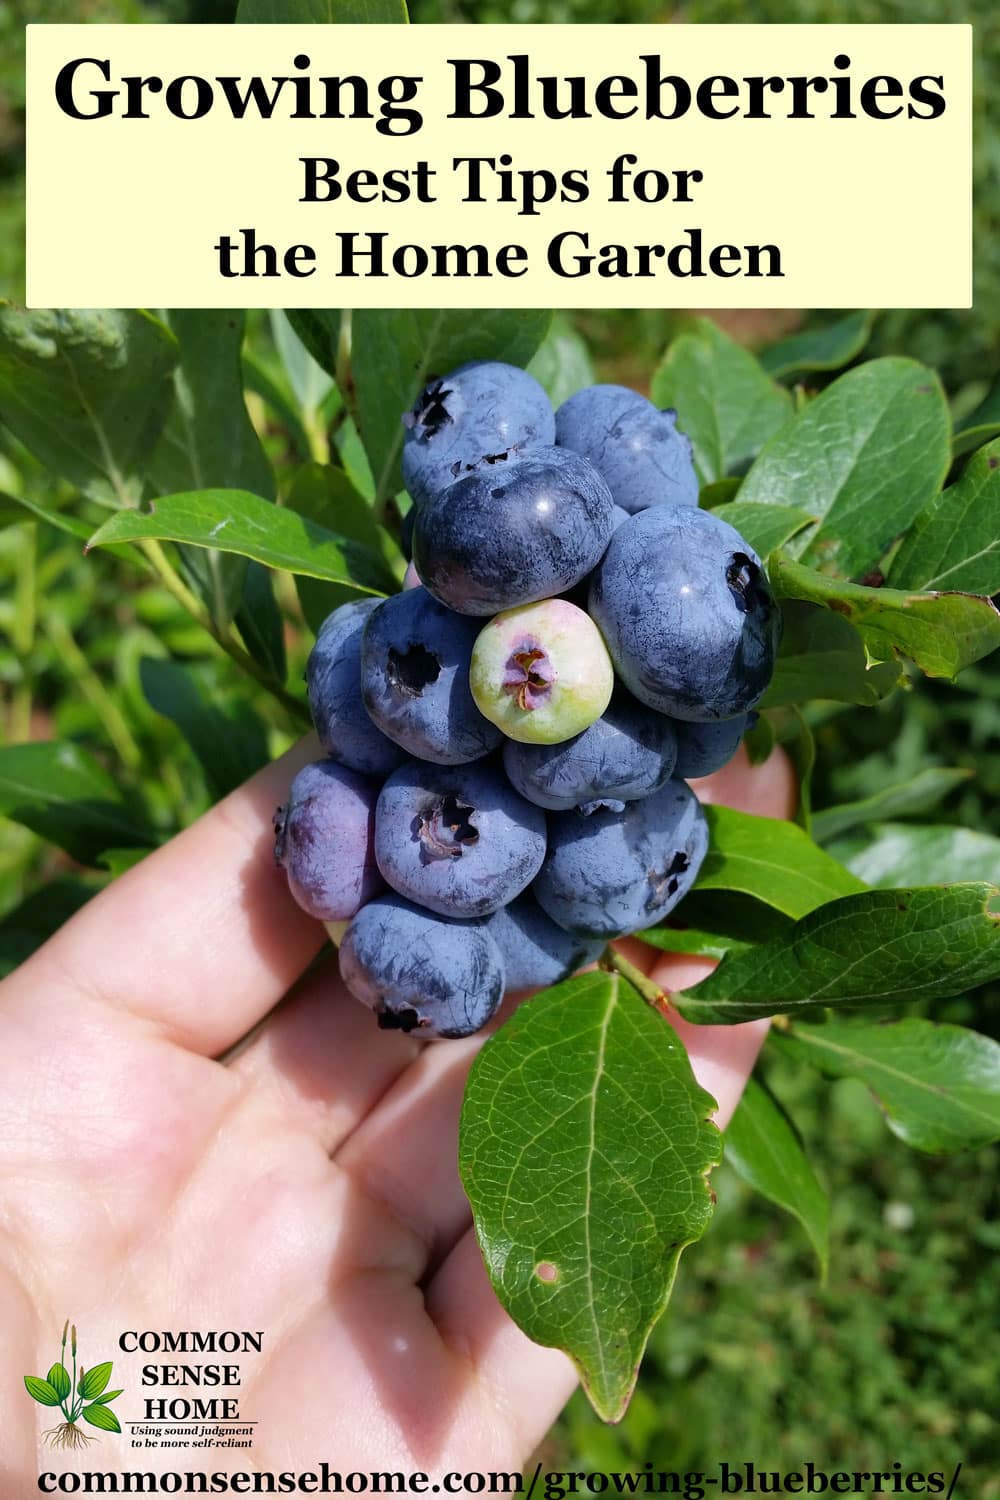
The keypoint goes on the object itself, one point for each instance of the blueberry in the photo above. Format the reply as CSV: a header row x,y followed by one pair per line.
x,y
458,840
419,972
628,753
704,748
535,951
687,613
608,873
618,516
415,657
333,678
513,533
324,836
480,410
542,672
634,445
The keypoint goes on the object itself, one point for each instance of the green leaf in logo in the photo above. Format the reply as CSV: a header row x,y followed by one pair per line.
x,y
58,1378
107,1397
95,1380
101,1416
41,1390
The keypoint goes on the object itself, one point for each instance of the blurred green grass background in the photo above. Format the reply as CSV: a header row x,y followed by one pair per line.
x,y
897,1357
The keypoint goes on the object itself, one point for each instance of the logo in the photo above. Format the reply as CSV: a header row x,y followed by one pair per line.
x,y
83,1395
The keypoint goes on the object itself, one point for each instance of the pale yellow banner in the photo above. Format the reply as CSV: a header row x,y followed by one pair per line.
x,y
522,166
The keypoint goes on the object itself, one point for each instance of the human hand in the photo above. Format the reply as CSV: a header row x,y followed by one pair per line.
x,y
156,1175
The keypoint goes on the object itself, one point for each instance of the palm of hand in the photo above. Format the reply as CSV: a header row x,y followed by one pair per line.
x,y
306,1189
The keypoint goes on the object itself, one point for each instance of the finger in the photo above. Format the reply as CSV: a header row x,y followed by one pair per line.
x,y
321,1061
524,1384
200,938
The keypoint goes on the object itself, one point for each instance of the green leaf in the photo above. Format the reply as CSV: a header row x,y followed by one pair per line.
x,y
726,403
912,854
61,793
918,795
823,656
792,732
584,1148
117,861
828,348
259,622
88,393
765,527
209,442
41,1391
107,1396
940,633
771,860
101,1416
692,941
95,1380
229,744
562,362
234,521
955,541
37,917
938,1084
980,425
763,1146
58,1379
310,383
395,352
326,495
880,947
865,456
277,12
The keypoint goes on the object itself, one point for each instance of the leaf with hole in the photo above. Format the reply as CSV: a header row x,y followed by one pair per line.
x,y
584,1149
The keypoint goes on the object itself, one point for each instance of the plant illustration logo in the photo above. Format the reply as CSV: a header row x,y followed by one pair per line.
x,y
83,1395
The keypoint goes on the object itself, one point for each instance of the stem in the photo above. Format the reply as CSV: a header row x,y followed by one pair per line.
x,y
615,962
25,617
72,1393
94,690
226,639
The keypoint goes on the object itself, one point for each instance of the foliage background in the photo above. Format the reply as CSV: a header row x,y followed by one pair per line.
x,y
896,1358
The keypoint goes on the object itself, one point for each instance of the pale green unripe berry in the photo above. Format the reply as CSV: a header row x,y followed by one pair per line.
x,y
541,672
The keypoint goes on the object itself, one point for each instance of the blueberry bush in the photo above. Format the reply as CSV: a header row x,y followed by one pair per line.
x,y
242,505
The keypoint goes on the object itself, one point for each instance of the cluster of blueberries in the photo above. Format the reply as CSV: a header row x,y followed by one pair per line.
x,y
509,739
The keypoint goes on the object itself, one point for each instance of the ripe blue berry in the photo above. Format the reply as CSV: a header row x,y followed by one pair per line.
x,y
333,679
704,748
420,973
458,840
536,952
324,840
482,408
634,445
415,657
687,612
628,753
608,873
512,533
542,672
